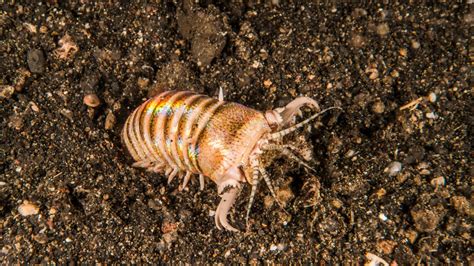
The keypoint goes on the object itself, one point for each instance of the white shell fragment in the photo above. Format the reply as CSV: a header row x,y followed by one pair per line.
x,y
373,260
432,97
431,115
393,168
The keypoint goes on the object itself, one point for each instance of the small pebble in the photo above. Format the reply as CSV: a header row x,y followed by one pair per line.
x,y
425,172
383,29
359,12
267,83
40,238
386,246
423,165
373,259
358,41
90,113
412,235
170,237
143,82
169,227
432,97
374,73
109,121
91,100
43,29
415,45
30,27
53,211
335,145
284,218
15,121
426,220
36,61
383,217
395,74
22,75
393,168
256,64
116,106
152,204
336,203
34,107
380,193
462,205
67,113
438,181
403,52
28,208
284,195
378,107
349,153
6,91
263,54
431,115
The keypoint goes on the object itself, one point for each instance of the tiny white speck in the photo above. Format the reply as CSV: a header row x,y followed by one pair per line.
x,y
273,247
383,217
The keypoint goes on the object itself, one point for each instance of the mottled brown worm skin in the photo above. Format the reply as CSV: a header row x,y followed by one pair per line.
x,y
181,133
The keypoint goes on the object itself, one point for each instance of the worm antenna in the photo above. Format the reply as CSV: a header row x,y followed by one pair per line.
x,y
280,134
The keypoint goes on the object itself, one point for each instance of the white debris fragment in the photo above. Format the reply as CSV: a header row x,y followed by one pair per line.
x,y
393,168
432,97
438,181
431,115
374,260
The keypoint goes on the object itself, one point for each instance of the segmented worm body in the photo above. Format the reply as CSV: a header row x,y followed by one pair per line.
x,y
182,133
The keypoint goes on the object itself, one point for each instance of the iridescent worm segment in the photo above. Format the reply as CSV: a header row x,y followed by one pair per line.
x,y
182,133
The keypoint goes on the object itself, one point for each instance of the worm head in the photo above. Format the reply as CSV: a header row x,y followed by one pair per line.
x,y
283,116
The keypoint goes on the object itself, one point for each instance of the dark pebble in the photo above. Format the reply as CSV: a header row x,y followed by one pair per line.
x,y
36,61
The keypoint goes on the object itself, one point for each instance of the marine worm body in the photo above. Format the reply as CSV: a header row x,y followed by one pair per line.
x,y
181,133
